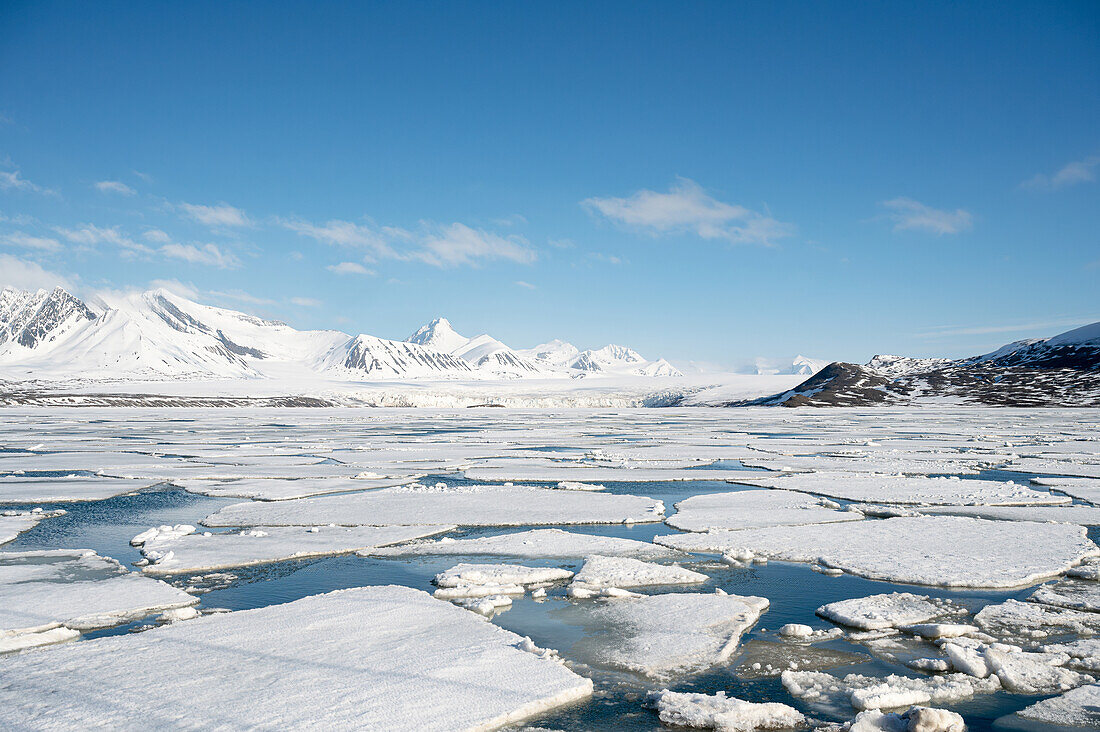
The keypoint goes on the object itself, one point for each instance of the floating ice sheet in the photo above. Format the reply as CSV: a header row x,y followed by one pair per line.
x,y
889,610
1039,466
593,474
275,489
472,505
59,490
14,523
752,509
836,695
1072,594
1082,515
174,553
877,464
1079,707
601,572
381,658
1029,620
947,551
1087,489
723,713
534,544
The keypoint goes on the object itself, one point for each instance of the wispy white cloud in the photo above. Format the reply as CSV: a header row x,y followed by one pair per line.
x,y
26,275
27,241
218,215
345,268
1070,174
305,302
114,186
525,285
687,209
911,215
156,236
183,289
241,296
947,331
207,254
12,181
440,245
608,258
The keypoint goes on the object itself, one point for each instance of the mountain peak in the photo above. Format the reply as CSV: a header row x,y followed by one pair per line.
x,y
438,335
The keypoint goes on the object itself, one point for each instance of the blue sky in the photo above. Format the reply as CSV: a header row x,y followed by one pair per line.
x,y
707,182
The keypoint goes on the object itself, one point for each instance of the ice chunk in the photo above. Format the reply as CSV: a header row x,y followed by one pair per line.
x,y
65,489
1079,707
384,658
889,610
970,661
915,719
177,552
1015,619
482,580
663,636
1083,654
726,714
796,630
600,572
931,550
1087,489
1072,594
580,473
1040,466
14,523
534,544
572,485
1032,673
276,489
478,505
78,589
907,489
750,509
15,641
1083,515
833,694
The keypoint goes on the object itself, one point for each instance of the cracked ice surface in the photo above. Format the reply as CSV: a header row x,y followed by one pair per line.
x,y
473,505
1077,708
947,551
890,610
66,489
171,552
533,544
751,509
385,658
78,589
275,489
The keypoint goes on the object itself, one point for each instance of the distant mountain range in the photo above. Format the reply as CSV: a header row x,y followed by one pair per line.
x,y
1063,370
159,335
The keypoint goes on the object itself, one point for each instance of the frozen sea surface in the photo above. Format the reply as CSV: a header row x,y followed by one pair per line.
x,y
672,455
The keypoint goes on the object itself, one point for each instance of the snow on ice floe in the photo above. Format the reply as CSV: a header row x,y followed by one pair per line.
x,y
914,719
665,636
534,544
1072,594
75,589
1040,467
1033,621
948,551
723,713
383,658
14,523
179,549
579,473
275,489
484,580
1086,489
752,509
908,489
890,610
1078,707
65,489
1081,515
836,695
877,464
601,573
468,505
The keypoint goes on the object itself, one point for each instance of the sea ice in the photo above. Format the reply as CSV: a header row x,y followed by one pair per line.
x,y
1072,594
1086,489
1013,619
65,489
77,589
1042,467
469,505
14,523
663,636
1078,707
948,551
752,509
763,659
881,464
1082,515
600,572
833,694
533,544
889,610
275,489
482,580
915,719
381,658
176,552
722,713
1033,673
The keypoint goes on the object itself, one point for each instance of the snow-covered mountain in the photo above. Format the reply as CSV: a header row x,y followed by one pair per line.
x,y
159,335
799,365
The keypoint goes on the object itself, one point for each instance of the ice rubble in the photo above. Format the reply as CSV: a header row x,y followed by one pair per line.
x,y
752,509
947,551
533,544
14,523
65,489
834,695
885,465
1029,620
177,550
600,573
469,505
663,636
385,658
1072,594
277,489
1078,707
722,713
908,489
889,610
484,580
77,589
915,719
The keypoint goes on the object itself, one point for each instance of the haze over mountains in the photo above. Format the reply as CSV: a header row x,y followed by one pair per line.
x,y
160,335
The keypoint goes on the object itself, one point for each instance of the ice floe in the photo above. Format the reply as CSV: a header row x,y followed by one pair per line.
x,y
948,551
723,713
14,523
77,589
1072,594
1082,515
534,544
601,573
1041,467
179,550
833,694
889,610
384,658
467,505
908,489
752,509
664,636
483,580
1030,620
65,489
1086,489
274,489
914,719
1078,707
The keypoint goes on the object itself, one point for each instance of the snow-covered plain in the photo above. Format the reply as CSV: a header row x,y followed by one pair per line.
x,y
639,616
